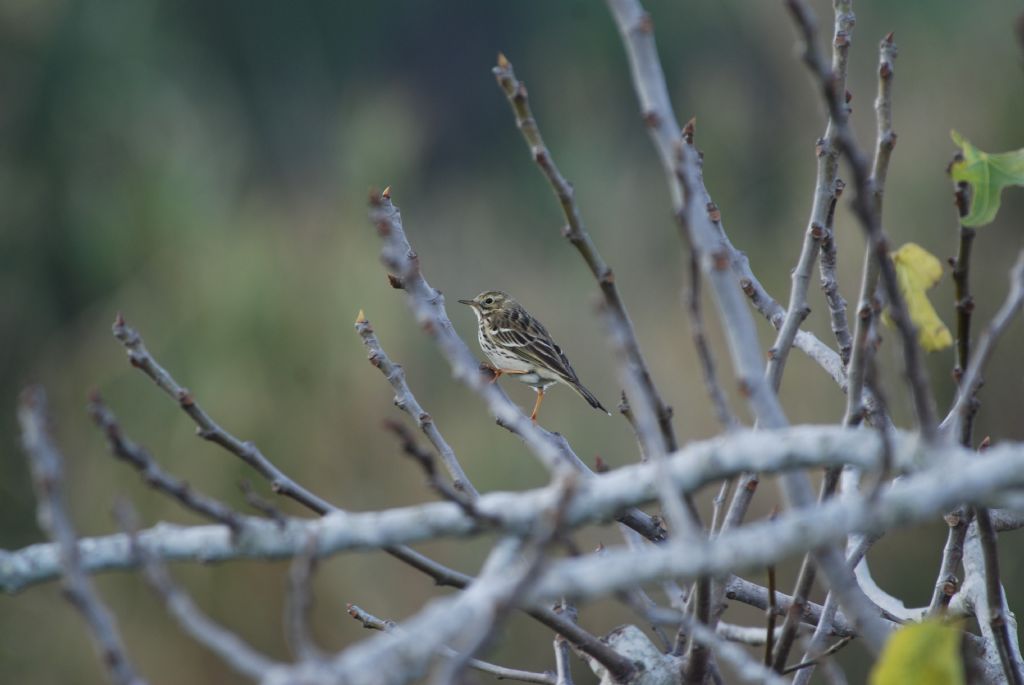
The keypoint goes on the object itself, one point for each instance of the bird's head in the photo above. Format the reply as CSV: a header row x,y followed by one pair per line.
x,y
489,301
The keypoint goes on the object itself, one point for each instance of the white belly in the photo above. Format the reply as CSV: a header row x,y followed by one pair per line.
x,y
506,361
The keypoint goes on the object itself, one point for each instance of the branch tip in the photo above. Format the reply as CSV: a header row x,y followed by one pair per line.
x,y
689,129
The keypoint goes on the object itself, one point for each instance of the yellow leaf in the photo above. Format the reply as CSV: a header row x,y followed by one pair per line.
x,y
917,271
926,653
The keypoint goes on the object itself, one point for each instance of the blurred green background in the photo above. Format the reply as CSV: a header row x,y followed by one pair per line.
x,y
202,167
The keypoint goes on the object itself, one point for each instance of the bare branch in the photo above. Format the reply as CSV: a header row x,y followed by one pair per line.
x,y
47,467
426,462
254,500
300,603
830,282
576,232
964,304
825,195
770,614
234,651
744,666
406,401
815,649
139,459
372,622
563,673
971,380
867,207
950,478
704,356
752,594
999,650
206,427
807,664
867,306
995,599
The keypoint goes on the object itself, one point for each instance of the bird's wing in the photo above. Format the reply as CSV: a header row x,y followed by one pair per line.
x,y
528,338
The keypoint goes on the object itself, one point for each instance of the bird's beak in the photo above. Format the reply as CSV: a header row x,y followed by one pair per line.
x,y
469,302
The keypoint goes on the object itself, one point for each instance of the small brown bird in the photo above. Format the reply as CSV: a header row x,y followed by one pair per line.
x,y
517,344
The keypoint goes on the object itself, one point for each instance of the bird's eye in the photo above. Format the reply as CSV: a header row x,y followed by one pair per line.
x,y
489,300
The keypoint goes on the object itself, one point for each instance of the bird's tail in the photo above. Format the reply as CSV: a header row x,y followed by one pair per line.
x,y
588,396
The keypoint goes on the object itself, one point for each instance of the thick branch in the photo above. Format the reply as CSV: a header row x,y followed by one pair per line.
x,y
918,497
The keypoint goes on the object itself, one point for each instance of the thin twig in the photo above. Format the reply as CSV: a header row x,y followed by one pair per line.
x,y
745,667
816,644
824,199
207,428
718,503
824,655
947,584
971,381
770,614
260,504
300,603
425,460
964,303
707,361
869,182
829,280
234,651
563,671
996,601
407,402
372,622
756,596
139,459
576,232
47,467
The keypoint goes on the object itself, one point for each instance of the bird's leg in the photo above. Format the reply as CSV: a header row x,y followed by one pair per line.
x,y
536,407
498,373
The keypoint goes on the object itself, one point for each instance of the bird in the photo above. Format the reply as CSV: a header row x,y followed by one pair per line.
x,y
517,344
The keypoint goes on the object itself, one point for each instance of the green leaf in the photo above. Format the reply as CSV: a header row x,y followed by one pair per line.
x,y
987,175
926,653
917,271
